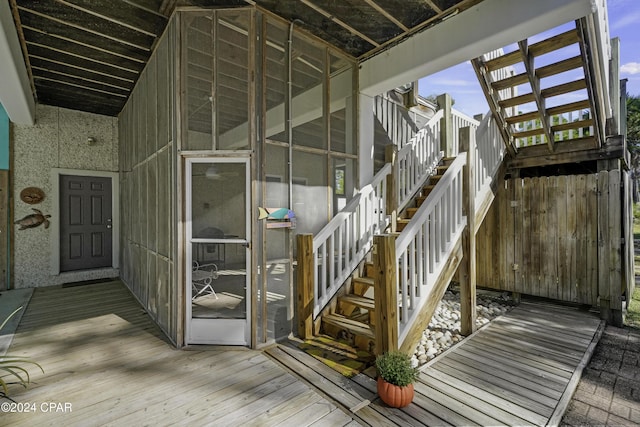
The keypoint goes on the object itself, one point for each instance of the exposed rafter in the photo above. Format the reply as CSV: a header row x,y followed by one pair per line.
x,y
340,22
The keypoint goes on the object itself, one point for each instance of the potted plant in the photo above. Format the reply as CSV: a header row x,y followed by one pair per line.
x,y
13,367
395,378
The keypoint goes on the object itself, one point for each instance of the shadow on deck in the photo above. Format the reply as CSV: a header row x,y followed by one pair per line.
x,y
521,369
106,363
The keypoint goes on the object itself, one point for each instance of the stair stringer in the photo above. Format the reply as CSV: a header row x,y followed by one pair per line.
x,y
421,321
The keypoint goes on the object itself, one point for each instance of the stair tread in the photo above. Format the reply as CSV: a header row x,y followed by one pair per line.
x,y
358,300
354,326
365,280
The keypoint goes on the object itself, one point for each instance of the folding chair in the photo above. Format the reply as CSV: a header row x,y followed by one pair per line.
x,y
202,275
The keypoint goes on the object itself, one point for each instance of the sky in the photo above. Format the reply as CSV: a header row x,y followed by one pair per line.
x,y
462,84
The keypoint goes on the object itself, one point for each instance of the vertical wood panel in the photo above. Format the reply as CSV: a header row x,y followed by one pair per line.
x,y
615,234
516,211
550,256
548,228
562,253
526,238
508,221
537,225
570,288
603,240
592,237
498,242
582,228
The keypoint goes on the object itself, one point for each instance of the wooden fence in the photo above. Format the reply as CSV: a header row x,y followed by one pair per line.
x,y
559,237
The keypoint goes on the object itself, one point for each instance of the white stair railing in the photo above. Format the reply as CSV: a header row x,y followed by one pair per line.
x,y
490,151
461,120
417,160
424,245
344,242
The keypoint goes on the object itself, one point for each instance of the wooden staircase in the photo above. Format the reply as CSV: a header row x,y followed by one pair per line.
x,y
544,94
352,317
405,216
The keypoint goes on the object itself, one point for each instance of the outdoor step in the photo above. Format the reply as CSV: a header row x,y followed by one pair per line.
x,y
402,223
350,325
368,269
427,189
411,212
420,200
358,301
435,178
442,169
446,161
364,280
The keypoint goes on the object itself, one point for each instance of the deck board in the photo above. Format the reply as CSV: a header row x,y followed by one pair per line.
x,y
102,353
515,371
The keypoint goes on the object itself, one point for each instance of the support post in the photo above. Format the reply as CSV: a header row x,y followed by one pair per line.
x,y
305,281
609,248
446,124
467,274
391,156
385,293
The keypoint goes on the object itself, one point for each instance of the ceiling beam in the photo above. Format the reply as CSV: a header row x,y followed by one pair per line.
x,y
444,45
340,22
386,14
15,91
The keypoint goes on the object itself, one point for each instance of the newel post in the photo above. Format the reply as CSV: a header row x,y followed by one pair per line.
x,y
468,264
305,280
445,103
391,156
385,293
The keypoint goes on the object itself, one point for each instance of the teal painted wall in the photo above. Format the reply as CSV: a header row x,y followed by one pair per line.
x,y
4,139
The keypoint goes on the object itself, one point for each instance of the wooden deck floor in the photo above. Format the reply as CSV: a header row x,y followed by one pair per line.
x,y
104,357
519,370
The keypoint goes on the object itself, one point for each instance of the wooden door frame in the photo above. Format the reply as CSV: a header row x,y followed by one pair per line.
x,y
55,209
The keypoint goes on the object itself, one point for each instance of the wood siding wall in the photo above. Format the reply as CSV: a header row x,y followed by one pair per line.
x,y
557,237
147,129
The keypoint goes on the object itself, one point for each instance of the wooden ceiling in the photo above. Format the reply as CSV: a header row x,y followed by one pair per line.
x,y
87,54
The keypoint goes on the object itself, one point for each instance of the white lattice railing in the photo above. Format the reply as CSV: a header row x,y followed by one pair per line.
x,y
344,242
461,120
417,160
399,123
490,151
424,245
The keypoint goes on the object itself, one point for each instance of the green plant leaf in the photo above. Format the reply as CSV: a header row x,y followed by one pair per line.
x,y
395,367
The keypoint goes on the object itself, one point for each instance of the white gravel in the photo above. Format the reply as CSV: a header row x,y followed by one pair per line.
x,y
444,329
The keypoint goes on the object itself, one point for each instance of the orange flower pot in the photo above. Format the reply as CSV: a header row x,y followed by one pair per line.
x,y
393,395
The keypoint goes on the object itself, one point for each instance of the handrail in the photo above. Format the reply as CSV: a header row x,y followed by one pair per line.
x,y
417,160
423,246
461,120
490,151
344,242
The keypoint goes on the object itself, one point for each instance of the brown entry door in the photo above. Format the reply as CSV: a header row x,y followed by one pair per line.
x,y
85,222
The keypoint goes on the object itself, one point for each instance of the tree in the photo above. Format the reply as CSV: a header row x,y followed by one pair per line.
x,y
633,140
